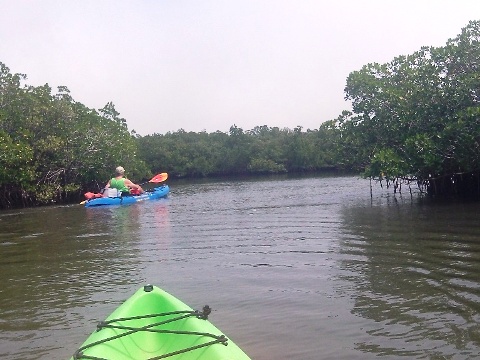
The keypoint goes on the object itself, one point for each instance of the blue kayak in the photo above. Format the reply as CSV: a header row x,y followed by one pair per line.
x,y
156,193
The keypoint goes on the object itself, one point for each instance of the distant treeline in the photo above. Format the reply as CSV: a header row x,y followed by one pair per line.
x,y
262,150
415,119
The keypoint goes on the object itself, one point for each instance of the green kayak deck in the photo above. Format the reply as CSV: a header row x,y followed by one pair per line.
x,y
152,324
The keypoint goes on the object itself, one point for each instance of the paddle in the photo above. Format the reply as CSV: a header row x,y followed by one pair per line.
x,y
156,179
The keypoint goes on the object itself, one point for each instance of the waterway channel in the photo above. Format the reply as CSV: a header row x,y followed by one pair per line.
x,y
308,268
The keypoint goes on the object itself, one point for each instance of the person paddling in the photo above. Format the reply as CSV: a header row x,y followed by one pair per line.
x,y
122,184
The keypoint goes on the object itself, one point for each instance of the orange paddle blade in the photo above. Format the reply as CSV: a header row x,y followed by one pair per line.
x,y
159,178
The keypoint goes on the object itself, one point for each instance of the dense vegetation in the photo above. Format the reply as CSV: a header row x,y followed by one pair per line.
x,y
52,147
415,119
261,150
418,117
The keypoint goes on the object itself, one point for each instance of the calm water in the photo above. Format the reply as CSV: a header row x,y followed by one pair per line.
x,y
310,268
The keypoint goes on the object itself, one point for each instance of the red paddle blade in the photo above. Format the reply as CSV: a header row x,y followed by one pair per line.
x,y
159,178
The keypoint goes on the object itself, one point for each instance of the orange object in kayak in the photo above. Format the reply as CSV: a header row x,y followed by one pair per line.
x,y
134,192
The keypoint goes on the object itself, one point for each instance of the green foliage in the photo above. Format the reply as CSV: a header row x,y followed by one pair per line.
x,y
265,166
53,147
418,116
16,160
386,163
258,151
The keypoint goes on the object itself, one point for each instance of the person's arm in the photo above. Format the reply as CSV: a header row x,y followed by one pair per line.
x,y
106,187
132,185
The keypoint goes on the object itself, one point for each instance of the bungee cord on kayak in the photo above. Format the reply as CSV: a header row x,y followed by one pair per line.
x,y
153,324
218,339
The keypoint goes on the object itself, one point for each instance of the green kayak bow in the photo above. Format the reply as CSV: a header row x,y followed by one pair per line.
x,y
152,324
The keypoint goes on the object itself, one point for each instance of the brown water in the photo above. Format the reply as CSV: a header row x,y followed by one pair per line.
x,y
308,268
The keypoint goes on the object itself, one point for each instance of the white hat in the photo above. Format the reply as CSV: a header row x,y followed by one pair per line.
x,y
120,170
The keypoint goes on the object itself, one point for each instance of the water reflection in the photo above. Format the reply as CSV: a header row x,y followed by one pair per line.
x,y
155,226
63,256
414,272
303,269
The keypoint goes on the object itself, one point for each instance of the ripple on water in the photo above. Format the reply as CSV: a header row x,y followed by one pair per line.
x,y
301,269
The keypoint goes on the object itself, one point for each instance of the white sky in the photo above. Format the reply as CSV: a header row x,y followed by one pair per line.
x,y
204,65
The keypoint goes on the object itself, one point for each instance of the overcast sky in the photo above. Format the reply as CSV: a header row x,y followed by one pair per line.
x,y
204,65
